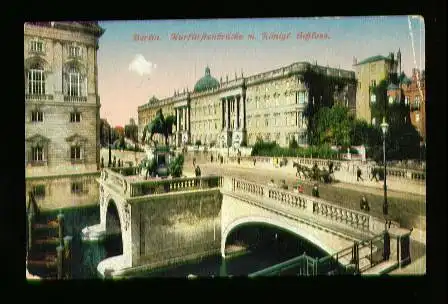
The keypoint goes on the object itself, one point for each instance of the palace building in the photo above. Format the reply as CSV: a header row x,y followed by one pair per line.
x,y
233,113
62,104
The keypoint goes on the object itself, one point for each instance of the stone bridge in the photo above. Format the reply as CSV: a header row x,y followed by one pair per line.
x,y
166,221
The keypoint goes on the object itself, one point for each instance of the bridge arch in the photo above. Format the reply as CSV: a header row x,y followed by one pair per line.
x,y
114,221
271,222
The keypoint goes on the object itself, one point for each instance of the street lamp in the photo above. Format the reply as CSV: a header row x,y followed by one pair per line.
x,y
110,152
384,127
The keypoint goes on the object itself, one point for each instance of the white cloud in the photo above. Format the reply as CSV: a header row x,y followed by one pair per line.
x,y
141,66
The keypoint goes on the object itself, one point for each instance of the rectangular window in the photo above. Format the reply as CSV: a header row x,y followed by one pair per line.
x,y
37,46
302,98
37,116
39,191
36,82
75,51
74,84
75,117
372,68
406,100
37,154
75,153
77,187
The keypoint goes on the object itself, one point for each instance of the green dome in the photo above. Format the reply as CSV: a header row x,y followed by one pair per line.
x,y
206,83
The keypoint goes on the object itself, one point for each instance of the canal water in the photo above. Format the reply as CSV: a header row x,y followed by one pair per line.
x,y
273,247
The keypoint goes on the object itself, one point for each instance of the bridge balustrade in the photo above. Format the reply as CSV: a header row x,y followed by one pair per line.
x,y
174,185
123,181
306,204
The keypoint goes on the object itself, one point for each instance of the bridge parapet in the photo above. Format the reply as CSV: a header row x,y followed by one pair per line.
x,y
311,207
126,182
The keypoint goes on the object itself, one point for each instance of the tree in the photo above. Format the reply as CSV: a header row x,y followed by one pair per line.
x,y
333,126
402,140
176,166
322,89
293,143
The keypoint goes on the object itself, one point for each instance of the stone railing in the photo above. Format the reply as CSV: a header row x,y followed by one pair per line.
x,y
126,171
309,207
75,98
173,185
38,97
116,180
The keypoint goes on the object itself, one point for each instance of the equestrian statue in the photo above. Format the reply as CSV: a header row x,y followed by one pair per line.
x,y
159,125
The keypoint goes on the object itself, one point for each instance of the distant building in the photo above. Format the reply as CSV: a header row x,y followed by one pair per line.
x,y
369,73
414,92
234,112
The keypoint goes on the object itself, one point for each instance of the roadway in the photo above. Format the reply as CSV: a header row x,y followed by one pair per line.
x,y
407,209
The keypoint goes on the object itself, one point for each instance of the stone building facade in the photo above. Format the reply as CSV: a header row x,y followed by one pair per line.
x,y
235,112
369,73
62,105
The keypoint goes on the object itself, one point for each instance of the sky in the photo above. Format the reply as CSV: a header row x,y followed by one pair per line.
x,y
141,59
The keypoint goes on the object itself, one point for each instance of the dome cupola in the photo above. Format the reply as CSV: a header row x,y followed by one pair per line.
x,y
206,83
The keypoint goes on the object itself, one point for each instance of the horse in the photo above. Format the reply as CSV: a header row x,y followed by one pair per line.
x,y
301,170
159,125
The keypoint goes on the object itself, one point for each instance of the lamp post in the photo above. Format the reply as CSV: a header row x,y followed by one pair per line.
x,y
384,127
110,152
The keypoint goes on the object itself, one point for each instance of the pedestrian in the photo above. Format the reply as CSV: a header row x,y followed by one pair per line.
x,y
211,158
330,167
315,191
239,160
102,162
255,160
284,185
358,175
364,204
271,183
194,161
197,171
374,173
119,163
300,188
114,162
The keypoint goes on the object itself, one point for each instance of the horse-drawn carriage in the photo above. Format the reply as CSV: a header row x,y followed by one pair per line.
x,y
313,173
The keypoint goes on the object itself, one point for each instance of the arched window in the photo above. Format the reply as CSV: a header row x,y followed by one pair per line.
x,y
36,80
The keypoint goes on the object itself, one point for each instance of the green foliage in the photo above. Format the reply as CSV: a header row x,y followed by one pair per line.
x,y
293,143
272,149
333,126
322,90
176,166
131,132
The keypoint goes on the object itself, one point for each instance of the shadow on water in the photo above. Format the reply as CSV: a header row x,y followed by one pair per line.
x,y
265,247
85,255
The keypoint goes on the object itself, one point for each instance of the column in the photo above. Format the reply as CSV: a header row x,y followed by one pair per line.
x,y
188,118
238,111
57,77
223,111
228,113
177,120
244,111
185,118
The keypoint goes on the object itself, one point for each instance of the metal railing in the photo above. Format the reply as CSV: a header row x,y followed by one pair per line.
x,y
345,261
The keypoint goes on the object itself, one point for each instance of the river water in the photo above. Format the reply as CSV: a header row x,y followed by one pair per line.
x,y
276,246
